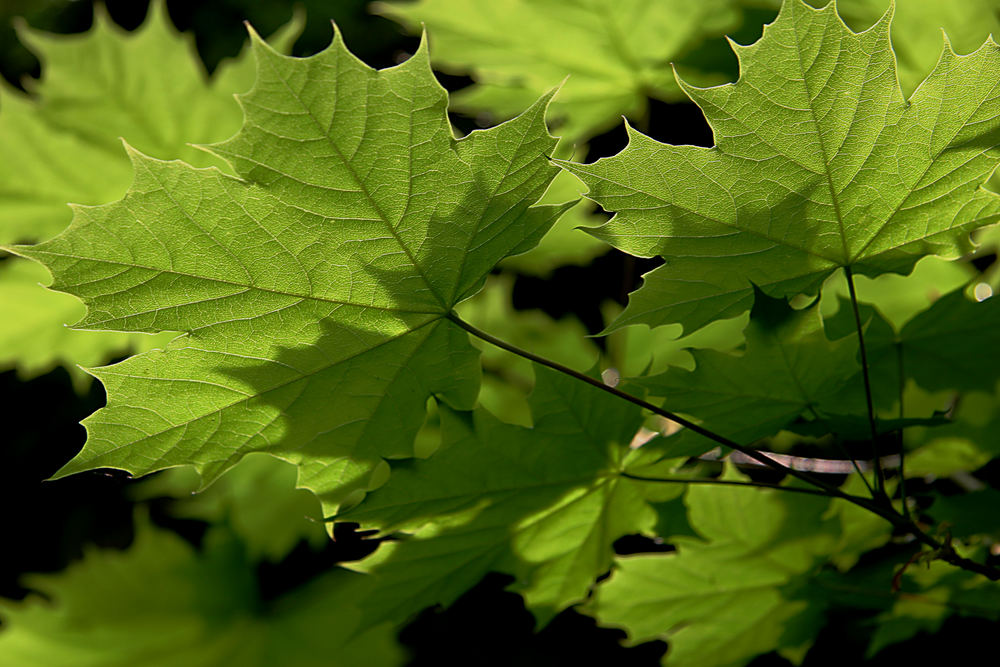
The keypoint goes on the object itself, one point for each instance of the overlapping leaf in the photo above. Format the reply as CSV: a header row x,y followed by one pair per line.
x,y
566,243
917,26
543,504
943,347
256,498
931,594
616,53
722,600
820,163
162,603
314,290
965,445
63,144
508,378
789,369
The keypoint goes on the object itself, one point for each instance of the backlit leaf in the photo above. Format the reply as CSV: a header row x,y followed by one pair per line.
x,y
820,163
313,289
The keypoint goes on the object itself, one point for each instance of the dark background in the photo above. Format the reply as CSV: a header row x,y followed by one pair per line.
x,y
47,524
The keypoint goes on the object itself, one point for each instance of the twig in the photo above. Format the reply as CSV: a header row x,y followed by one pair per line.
x,y
876,456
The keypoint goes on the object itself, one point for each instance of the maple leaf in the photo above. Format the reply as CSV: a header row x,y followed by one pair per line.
x,y
544,503
819,163
789,369
62,144
315,291
941,347
917,26
566,243
731,593
33,332
162,603
616,53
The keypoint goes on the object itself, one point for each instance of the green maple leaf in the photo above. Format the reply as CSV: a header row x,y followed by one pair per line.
x,y
616,53
966,444
543,504
721,600
314,290
895,297
162,603
63,144
33,332
917,26
789,369
820,163
946,346
566,243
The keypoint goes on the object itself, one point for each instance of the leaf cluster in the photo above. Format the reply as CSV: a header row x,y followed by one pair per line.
x,y
331,345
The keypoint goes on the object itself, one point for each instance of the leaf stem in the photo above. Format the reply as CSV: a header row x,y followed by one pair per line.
x,y
902,454
830,490
885,510
724,482
876,456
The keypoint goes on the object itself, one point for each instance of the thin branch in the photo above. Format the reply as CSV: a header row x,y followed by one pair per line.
x,y
725,482
887,512
943,551
902,444
843,450
808,464
879,472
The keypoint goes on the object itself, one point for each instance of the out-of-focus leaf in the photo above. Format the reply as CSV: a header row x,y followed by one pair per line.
x,y
161,603
929,595
63,145
616,54
257,498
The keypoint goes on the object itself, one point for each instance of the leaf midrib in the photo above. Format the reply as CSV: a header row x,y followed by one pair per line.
x,y
303,297
243,397
357,179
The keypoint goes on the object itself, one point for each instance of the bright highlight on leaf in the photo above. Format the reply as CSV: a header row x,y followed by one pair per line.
x,y
314,289
819,163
